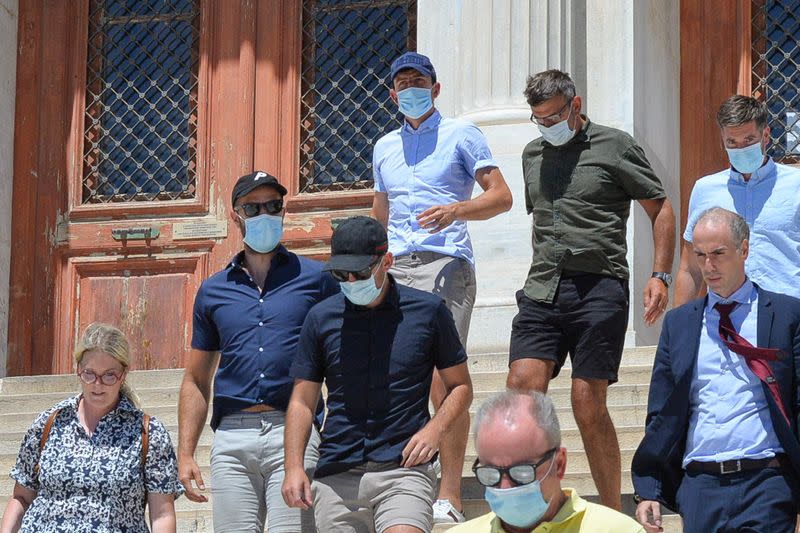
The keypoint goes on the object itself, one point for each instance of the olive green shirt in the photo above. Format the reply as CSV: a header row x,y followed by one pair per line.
x,y
580,195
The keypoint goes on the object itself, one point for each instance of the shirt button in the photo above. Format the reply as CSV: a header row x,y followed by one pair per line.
x,y
260,349
261,376
260,323
261,300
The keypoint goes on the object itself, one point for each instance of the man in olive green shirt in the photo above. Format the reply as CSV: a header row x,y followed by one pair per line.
x,y
521,463
580,178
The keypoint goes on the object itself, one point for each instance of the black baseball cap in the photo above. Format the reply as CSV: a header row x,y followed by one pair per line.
x,y
251,181
418,62
355,243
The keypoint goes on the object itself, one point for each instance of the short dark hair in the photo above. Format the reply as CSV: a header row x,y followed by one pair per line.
x,y
545,85
740,109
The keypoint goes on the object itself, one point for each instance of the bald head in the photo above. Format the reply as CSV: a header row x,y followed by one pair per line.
x,y
518,412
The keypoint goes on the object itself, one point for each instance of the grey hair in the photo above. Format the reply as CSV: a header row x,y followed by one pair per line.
x,y
737,225
740,109
545,85
508,404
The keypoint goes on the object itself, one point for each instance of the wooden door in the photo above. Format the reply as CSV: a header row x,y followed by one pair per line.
x,y
115,219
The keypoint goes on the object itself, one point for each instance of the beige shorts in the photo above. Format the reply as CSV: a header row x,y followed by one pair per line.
x,y
450,278
373,497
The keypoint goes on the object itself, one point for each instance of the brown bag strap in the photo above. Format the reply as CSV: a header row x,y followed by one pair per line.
x,y
145,441
45,435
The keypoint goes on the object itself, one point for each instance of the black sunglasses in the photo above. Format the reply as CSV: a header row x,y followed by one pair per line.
x,y
344,275
252,209
521,474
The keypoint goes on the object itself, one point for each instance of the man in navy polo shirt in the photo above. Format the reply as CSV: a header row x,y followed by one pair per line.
x,y
375,346
247,319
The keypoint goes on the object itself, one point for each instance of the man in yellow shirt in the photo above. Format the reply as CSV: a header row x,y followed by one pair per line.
x,y
521,463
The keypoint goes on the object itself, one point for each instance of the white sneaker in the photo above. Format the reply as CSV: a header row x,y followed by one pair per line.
x,y
445,513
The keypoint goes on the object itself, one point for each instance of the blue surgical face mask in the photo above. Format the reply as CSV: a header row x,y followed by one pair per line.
x,y
363,291
746,160
521,506
415,101
559,133
263,233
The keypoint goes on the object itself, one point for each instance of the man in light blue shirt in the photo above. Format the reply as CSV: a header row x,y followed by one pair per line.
x,y
721,444
425,173
766,194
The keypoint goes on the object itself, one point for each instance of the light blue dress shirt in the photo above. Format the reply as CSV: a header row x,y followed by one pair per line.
x,y
770,203
729,413
432,165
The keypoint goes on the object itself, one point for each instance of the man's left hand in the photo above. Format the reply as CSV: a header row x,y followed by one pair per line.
x,y
656,298
422,446
436,218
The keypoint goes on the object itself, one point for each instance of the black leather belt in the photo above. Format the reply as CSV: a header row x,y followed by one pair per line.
x,y
738,465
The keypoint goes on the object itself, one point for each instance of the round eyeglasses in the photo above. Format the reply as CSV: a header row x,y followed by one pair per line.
x,y
521,474
89,377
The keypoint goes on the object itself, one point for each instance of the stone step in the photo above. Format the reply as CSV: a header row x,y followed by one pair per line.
x,y
68,383
171,378
622,415
498,362
496,381
628,436
33,404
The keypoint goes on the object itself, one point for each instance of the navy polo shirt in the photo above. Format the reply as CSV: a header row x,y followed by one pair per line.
x,y
377,364
256,331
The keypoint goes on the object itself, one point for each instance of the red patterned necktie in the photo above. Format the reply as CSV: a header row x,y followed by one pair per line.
x,y
756,358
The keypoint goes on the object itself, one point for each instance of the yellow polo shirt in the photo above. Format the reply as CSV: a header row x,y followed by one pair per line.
x,y
575,516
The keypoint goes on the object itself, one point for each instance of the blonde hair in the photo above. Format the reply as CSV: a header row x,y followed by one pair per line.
x,y
109,340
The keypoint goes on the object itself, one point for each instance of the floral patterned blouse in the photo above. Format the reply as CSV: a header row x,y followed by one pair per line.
x,y
94,483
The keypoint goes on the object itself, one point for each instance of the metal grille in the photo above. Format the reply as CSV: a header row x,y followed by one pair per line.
x,y
141,101
776,77
345,106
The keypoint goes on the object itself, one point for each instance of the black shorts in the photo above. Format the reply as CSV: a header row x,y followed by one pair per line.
x,y
588,319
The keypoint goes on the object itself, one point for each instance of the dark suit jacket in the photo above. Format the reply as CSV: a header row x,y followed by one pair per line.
x,y
656,469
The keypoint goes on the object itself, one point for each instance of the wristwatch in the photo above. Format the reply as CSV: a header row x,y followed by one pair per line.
x,y
636,498
665,277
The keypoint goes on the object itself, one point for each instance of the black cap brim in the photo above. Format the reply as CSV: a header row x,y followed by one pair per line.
x,y
349,263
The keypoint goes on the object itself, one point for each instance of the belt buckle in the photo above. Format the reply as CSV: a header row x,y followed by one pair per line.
x,y
738,467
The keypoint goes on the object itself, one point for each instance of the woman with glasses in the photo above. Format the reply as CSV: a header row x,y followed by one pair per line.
x,y
93,461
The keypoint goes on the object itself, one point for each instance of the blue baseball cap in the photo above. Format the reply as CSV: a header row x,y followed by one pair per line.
x,y
418,62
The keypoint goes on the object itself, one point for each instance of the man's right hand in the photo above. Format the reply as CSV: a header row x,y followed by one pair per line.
x,y
648,513
188,471
296,489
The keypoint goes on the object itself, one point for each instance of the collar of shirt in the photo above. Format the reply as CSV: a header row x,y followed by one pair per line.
x,y
430,123
743,295
390,301
766,171
281,255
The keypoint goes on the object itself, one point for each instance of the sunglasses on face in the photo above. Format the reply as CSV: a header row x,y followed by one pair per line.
x,y
344,275
521,474
89,377
252,209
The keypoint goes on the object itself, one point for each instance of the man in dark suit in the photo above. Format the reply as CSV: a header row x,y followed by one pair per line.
x,y
721,445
